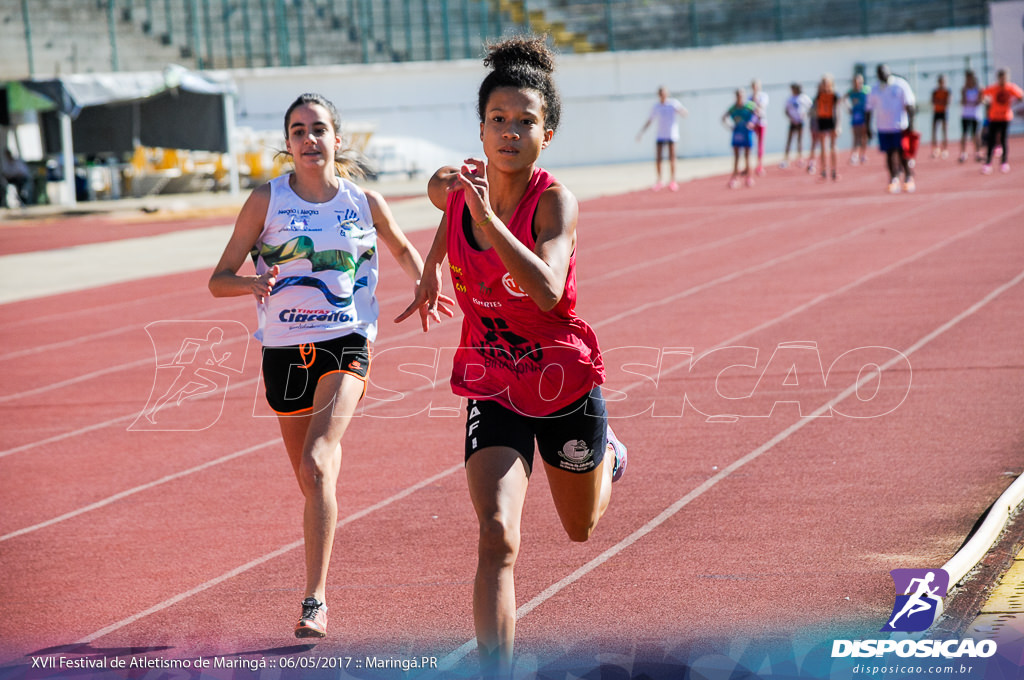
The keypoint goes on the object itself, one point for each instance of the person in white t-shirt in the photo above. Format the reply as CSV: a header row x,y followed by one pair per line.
x,y
891,106
665,115
760,99
797,107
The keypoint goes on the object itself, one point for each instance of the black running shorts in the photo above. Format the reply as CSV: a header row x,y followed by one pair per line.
x,y
292,373
572,438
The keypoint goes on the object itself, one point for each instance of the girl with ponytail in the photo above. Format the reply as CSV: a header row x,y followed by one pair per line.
x,y
528,365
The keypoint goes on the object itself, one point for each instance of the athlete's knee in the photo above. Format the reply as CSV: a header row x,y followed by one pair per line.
x,y
319,467
499,542
580,530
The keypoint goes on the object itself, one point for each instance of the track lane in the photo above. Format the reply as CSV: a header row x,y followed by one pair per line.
x,y
543,520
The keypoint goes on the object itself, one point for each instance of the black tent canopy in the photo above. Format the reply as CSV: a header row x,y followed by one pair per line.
x,y
114,113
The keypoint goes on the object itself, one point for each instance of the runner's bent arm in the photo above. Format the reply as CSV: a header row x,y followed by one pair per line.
x,y
225,280
428,292
393,237
440,183
540,272
407,257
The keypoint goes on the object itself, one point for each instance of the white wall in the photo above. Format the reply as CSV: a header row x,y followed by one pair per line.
x,y
607,96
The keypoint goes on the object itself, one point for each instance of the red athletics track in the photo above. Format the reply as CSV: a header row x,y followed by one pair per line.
x,y
175,544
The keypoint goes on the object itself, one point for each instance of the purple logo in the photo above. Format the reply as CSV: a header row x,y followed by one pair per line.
x,y
918,594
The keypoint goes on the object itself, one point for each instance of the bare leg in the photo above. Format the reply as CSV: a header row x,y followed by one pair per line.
x,y
498,479
581,499
672,161
314,448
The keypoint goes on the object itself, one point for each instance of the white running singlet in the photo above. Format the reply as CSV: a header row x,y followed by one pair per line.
x,y
327,253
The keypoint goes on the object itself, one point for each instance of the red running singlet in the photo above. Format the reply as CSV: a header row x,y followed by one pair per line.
x,y
512,352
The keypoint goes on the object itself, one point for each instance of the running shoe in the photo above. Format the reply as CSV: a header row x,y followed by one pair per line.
x,y
619,449
733,183
894,186
673,186
963,158
835,176
749,181
783,165
910,186
1004,168
656,187
760,171
313,623
986,169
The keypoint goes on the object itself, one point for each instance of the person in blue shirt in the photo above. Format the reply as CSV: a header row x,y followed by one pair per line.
x,y
740,118
857,101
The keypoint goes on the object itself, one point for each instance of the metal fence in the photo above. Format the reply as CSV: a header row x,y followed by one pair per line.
x,y
46,36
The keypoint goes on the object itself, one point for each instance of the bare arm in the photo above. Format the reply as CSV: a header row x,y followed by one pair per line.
x,y
440,183
393,237
225,280
408,259
428,293
540,272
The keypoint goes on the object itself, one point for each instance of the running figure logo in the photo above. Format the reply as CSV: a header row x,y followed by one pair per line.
x,y
922,592
193,371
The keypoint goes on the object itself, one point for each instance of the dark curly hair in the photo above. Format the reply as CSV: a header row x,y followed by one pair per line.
x,y
523,62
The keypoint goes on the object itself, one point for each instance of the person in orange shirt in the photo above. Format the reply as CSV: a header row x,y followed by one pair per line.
x,y
999,98
826,110
940,102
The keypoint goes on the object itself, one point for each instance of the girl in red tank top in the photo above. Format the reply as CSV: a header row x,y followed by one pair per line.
x,y
529,366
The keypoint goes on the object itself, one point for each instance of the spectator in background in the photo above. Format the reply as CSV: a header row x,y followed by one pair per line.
x,y
14,172
999,98
760,100
891,107
970,106
940,103
663,114
826,109
857,99
740,119
797,107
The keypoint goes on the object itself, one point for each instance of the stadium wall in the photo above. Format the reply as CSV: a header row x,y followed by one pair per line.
x,y
427,109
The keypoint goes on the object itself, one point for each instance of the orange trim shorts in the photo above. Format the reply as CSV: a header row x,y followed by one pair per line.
x,y
291,374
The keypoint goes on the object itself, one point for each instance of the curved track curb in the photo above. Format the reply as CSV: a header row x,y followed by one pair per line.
x,y
983,539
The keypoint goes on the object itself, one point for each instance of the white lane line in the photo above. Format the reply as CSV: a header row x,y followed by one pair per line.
x,y
736,274
78,340
618,317
622,270
178,475
216,310
669,512
552,590
171,601
138,489
131,416
666,371
831,294
107,423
